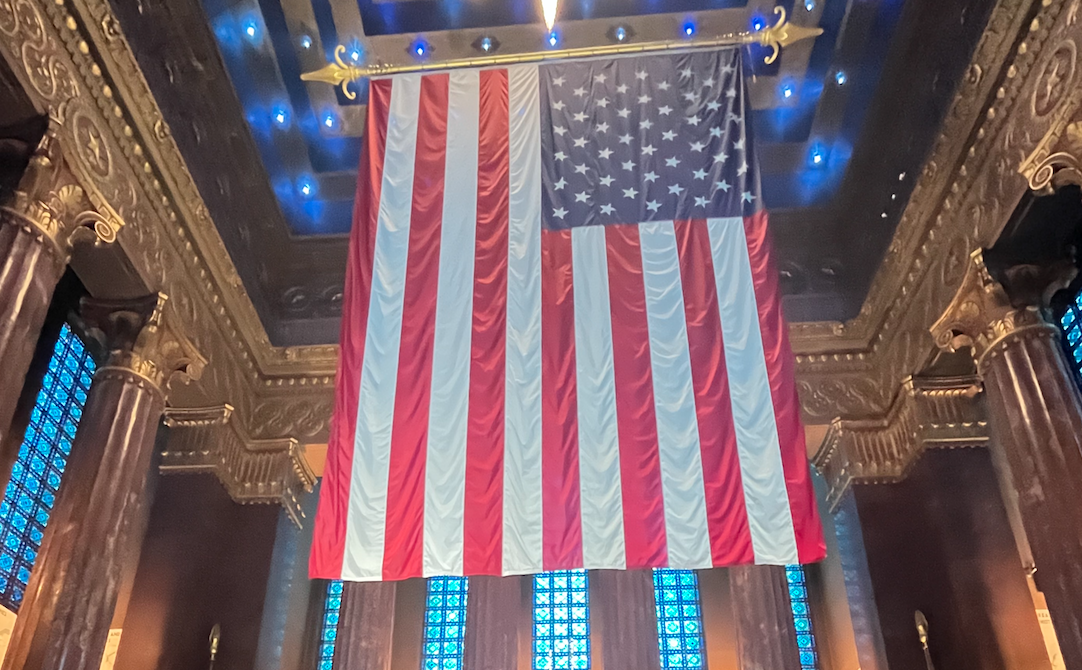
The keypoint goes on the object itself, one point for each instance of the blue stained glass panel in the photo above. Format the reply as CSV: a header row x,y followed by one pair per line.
x,y
445,614
1071,324
39,469
679,628
798,599
332,609
561,616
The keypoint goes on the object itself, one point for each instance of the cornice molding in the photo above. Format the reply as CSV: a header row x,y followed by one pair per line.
x,y
936,412
208,440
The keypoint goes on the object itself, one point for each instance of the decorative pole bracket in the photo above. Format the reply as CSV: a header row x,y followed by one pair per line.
x,y
781,34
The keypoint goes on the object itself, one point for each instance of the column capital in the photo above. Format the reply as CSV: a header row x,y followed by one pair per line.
x,y
986,312
139,335
53,205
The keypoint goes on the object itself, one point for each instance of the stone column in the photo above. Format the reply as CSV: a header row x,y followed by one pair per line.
x,y
493,613
48,213
1035,420
624,609
365,627
64,619
765,634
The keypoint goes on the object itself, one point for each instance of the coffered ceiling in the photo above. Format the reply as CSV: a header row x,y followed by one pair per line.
x,y
844,122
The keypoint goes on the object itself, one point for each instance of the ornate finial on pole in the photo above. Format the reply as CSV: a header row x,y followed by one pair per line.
x,y
781,34
338,73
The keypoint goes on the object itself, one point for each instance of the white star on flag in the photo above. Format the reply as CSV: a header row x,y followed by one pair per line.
x,y
581,197
676,189
630,192
653,206
607,209
606,180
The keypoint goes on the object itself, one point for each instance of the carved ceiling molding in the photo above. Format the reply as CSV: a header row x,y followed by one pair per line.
x,y
208,440
70,55
1021,90
927,413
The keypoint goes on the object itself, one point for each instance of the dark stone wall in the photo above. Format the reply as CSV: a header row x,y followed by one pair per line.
x,y
205,560
940,542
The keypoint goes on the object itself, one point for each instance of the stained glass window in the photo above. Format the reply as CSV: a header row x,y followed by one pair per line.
x,y
1071,322
798,600
561,620
445,622
332,610
679,624
35,477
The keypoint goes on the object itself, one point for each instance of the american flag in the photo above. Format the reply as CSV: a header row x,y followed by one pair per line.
x,y
562,344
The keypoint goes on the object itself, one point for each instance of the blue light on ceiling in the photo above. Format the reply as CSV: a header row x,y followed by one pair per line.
x,y
787,90
306,42
251,29
329,120
758,23
486,44
809,5
689,28
817,157
620,33
553,38
306,186
840,77
420,48
280,115
355,51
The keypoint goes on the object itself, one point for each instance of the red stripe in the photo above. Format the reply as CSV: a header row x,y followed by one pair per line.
x,y
483,514
640,466
726,513
404,533
779,362
561,516
329,534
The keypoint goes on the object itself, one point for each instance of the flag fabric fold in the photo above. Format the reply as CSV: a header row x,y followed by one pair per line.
x,y
562,340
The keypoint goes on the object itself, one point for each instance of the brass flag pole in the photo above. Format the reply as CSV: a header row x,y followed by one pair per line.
x,y
781,34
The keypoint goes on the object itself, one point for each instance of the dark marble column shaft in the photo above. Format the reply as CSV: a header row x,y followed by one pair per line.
x,y
493,614
365,626
64,618
1035,417
46,215
625,611
766,637
29,272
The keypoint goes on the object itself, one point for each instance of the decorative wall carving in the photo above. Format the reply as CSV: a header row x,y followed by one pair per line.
x,y
208,439
927,412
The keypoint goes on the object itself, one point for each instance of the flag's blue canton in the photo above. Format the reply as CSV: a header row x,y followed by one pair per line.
x,y
652,138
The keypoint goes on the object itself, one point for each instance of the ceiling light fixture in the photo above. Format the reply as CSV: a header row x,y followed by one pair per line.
x,y
620,34
553,38
841,77
787,90
817,157
809,5
548,8
306,42
328,120
689,28
486,44
420,49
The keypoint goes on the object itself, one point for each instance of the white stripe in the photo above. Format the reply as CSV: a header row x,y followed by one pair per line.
x,y
765,495
445,467
674,399
363,559
599,441
522,463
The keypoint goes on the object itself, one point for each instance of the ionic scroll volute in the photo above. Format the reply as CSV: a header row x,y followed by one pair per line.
x,y
50,201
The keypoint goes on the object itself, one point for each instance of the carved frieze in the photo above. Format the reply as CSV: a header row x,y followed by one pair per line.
x,y
209,440
927,412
